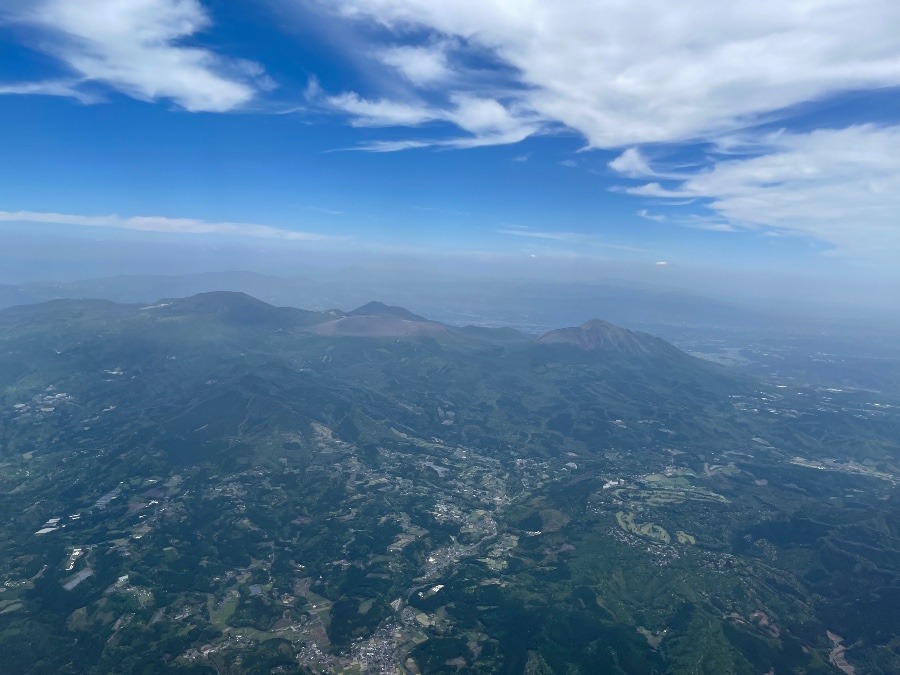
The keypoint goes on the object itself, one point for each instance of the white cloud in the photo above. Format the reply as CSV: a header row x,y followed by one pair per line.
x,y
488,121
631,163
482,115
313,89
48,88
579,239
514,135
840,186
531,233
657,190
133,46
382,113
422,66
393,146
626,73
710,223
162,224
657,218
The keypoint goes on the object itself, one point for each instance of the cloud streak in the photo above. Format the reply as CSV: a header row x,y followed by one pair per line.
x,y
161,224
67,88
580,239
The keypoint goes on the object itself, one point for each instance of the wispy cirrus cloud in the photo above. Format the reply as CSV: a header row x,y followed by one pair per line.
x,y
135,47
67,88
162,224
840,186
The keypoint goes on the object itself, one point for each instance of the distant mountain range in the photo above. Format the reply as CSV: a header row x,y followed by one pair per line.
x,y
223,323
377,358
529,306
378,320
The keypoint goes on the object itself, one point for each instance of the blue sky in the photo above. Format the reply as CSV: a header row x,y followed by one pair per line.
x,y
756,143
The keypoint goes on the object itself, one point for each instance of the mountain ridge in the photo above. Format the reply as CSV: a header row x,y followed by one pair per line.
x,y
372,320
239,319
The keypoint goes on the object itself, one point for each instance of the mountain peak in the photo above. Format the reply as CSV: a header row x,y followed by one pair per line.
x,y
600,325
237,308
376,319
220,300
376,308
597,335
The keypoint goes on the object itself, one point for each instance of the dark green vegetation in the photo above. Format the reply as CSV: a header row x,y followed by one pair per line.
x,y
242,490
